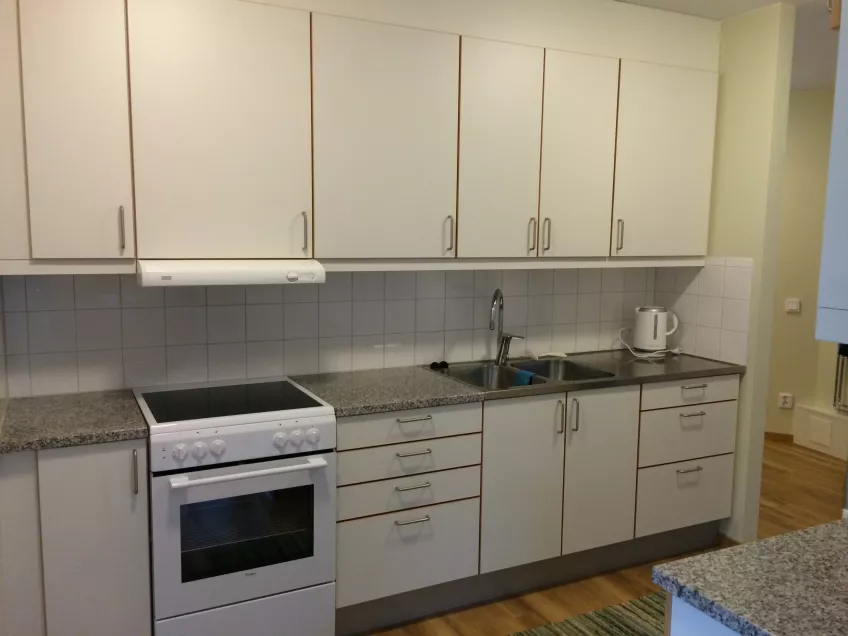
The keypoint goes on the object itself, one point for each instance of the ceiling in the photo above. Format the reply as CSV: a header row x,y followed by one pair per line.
x,y
714,9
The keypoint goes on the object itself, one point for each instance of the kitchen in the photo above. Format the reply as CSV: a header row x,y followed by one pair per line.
x,y
198,233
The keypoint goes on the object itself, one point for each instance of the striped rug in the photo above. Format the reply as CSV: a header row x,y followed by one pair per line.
x,y
643,617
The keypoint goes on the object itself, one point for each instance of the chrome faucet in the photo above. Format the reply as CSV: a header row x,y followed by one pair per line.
x,y
504,339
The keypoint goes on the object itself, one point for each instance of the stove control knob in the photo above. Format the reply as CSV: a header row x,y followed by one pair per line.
x,y
199,449
312,436
297,437
280,440
217,447
180,452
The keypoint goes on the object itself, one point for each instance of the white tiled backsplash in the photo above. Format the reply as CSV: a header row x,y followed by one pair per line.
x,y
85,333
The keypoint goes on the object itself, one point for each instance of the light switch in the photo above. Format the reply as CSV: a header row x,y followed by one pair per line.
x,y
792,305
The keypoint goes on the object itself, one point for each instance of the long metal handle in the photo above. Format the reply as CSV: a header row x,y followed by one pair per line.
x,y
620,241
123,225
135,472
561,429
452,228
426,484
305,231
407,420
415,454
179,482
532,231
698,414
698,469
576,403
692,387
547,233
423,519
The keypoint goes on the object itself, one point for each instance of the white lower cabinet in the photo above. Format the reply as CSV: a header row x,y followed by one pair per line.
x,y
394,553
600,468
94,534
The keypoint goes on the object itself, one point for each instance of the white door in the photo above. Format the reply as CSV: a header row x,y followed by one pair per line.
x,y
386,115
95,539
578,154
14,237
221,129
500,130
76,106
521,513
664,160
600,468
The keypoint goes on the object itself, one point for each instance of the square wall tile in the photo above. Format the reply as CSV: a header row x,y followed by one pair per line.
x,y
101,370
98,329
53,373
369,317
302,293
459,314
264,294
612,280
51,331
227,361
15,326
587,336
686,280
369,286
486,281
335,319
225,295
514,312
565,281
686,308
337,288
541,282
484,346
565,309
588,308
97,292
635,279
335,354
300,321
301,356
539,310
711,281
612,306
538,340
734,347
144,367
367,352
735,315
737,282
143,327
563,338
226,323
265,359
459,284
664,279
399,350
185,325
187,364
49,292
709,311
459,345
708,342
264,322
430,315
430,285
429,347
185,296
17,376
14,293
132,295
400,316
514,282
400,285
589,281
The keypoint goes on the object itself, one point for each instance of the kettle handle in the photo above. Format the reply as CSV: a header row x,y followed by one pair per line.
x,y
675,321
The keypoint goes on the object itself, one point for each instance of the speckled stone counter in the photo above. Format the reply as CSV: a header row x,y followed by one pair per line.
x,y
382,390
57,421
791,585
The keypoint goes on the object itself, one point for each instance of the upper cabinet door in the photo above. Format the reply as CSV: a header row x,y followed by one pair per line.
x,y
500,129
664,160
221,129
76,105
385,108
578,154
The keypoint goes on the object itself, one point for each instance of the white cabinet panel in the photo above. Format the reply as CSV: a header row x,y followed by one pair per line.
x,y
500,128
600,468
76,104
578,154
385,112
521,514
95,543
221,129
664,160
14,225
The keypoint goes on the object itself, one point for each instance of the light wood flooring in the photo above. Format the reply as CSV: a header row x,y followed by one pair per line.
x,y
800,488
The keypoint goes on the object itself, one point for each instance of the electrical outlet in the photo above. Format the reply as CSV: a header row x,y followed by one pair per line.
x,y
785,400
792,305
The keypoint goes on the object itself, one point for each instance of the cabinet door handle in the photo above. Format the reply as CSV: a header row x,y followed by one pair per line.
x,y
135,471
698,414
697,469
576,403
407,420
426,484
452,228
423,519
305,231
546,230
620,240
415,454
561,427
122,223
692,387
532,230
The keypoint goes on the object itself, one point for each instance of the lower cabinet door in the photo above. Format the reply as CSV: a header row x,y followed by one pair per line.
x,y
398,552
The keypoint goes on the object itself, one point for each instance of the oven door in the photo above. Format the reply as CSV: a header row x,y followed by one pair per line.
x,y
231,534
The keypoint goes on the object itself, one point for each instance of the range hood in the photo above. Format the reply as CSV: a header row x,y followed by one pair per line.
x,y
223,272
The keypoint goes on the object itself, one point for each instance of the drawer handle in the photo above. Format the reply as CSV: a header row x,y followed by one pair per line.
x,y
423,519
429,451
407,420
698,414
697,469
692,387
426,484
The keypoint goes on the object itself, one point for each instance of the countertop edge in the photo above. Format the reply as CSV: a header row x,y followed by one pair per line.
x,y
405,405
74,439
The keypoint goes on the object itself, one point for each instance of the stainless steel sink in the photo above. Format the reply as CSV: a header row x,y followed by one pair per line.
x,y
488,376
561,370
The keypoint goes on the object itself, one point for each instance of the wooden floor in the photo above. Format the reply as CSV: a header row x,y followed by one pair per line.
x,y
801,488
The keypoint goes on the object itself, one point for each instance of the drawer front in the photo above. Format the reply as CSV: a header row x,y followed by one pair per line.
x,y
401,460
391,495
678,434
363,431
683,494
685,392
376,557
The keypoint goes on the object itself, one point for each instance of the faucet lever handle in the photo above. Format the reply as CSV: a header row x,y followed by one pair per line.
x,y
512,336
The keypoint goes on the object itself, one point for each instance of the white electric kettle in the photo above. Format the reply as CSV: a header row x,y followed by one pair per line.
x,y
650,333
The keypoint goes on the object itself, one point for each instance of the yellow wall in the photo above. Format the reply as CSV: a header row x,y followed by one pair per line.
x,y
795,352
756,68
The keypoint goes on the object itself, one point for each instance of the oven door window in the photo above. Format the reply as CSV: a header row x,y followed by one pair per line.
x,y
243,533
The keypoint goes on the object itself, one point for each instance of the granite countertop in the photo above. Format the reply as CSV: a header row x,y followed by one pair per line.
x,y
790,585
382,390
70,420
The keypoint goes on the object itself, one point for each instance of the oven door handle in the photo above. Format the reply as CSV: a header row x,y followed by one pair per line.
x,y
179,482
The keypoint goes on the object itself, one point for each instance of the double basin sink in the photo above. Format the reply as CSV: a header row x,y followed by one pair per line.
x,y
493,377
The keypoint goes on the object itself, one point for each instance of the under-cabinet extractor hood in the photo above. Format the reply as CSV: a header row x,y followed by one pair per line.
x,y
224,272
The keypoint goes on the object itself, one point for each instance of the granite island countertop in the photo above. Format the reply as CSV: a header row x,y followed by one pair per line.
x,y
57,421
794,584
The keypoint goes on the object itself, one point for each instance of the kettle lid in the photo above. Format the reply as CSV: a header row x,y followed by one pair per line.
x,y
654,309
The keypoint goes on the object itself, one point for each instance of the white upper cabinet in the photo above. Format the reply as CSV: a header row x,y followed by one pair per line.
x,y
664,160
14,228
500,128
578,154
221,129
385,112
76,105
